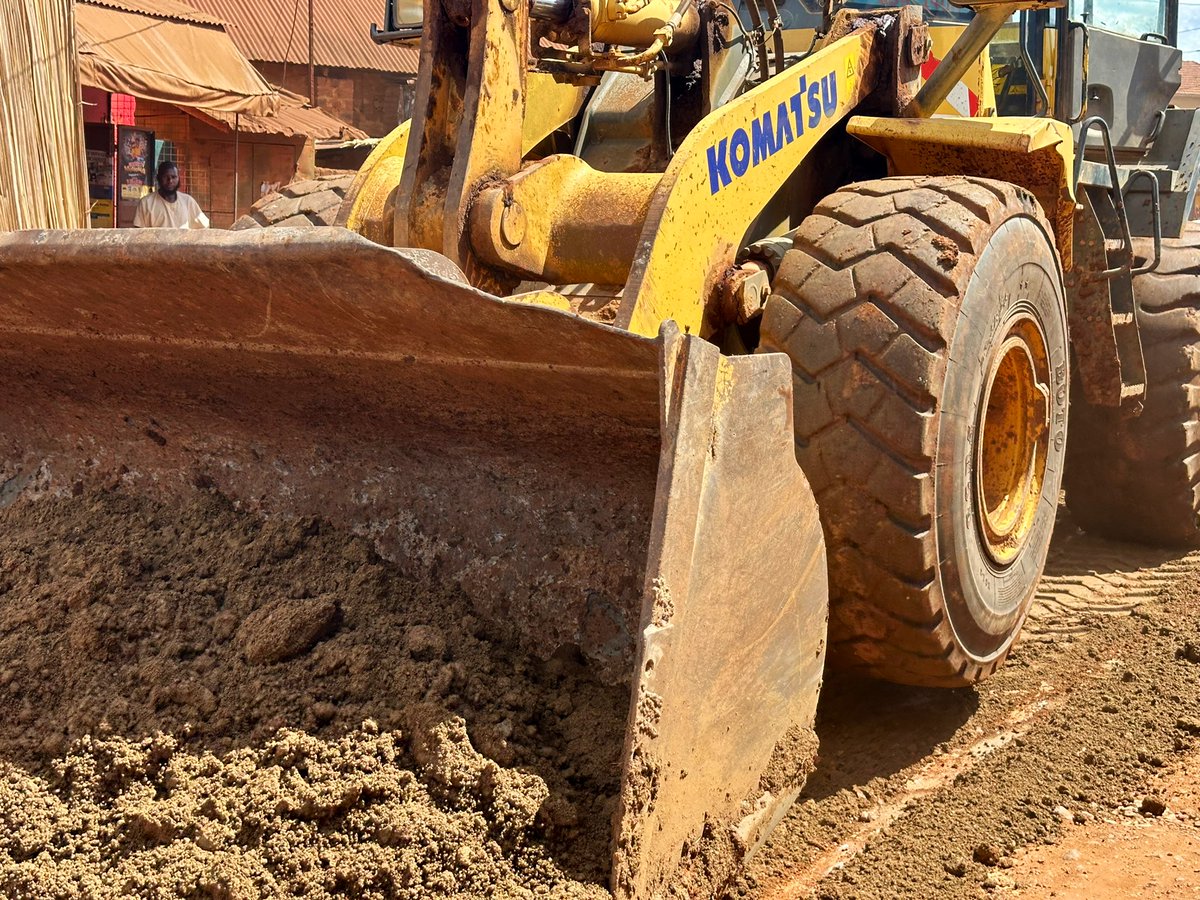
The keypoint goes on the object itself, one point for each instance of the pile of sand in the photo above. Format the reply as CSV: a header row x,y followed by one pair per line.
x,y
206,704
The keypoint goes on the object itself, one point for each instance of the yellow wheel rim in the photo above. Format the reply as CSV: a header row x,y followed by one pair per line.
x,y
1012,440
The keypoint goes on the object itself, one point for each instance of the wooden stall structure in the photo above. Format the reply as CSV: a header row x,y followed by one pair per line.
x,y
42,175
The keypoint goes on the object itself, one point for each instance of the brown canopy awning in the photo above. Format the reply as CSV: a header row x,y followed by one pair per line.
x,y
156,57
294,118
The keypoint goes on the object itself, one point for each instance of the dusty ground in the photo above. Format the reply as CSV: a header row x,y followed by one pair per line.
x,y
1059,757
1153,857
199,704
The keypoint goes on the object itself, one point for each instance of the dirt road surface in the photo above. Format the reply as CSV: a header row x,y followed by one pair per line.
x,y
201,704
1067,774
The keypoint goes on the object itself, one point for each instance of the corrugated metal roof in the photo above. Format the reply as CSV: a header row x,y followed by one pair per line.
x,y
1189,78
161,9
277,31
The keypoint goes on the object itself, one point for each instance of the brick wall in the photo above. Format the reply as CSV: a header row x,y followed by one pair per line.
x,y
374,101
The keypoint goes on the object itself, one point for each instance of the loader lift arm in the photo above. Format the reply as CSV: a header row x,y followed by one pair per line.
x,y
464,192
670,238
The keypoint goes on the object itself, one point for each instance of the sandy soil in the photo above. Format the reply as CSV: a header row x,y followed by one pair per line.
x,y
973,793
1134,854
201,704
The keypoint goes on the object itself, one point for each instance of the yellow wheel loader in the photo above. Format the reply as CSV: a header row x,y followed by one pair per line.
x,y
701,336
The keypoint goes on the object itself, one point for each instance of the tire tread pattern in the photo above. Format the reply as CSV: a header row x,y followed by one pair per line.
x,y
1138,478
865,305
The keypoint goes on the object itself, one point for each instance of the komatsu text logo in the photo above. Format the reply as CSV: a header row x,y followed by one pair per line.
x,y
733,156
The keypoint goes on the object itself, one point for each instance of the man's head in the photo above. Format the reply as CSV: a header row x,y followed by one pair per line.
x,y
168,179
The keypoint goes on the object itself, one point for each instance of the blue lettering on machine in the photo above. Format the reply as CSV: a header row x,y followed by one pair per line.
x,y
733,156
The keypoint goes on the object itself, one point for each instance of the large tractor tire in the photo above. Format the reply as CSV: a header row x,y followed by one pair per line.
x,y
311,203
926,324
1137,478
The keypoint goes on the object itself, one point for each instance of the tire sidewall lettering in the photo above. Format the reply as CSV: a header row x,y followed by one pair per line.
x,y
985,602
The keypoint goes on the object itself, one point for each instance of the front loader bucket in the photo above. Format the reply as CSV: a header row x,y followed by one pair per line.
x,y
637,499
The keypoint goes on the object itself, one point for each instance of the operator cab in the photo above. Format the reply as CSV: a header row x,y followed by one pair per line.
x,y
1123,67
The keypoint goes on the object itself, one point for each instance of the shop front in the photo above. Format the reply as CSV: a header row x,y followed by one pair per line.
x,y
151,52
121,158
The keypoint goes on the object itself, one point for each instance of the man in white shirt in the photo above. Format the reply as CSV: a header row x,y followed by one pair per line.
x,y
169,207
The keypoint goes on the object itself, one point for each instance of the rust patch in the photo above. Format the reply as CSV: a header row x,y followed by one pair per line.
x,y
848,21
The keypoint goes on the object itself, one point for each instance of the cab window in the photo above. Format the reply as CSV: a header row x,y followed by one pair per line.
x,y
1132,17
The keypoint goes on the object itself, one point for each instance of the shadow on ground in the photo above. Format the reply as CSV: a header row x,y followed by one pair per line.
x,y
872,729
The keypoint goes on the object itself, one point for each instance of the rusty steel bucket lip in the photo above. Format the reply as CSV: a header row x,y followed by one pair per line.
x,y
27,308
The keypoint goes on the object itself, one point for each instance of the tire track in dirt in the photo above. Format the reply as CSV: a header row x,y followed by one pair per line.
x,y
932,777
1115,857
1087,576
853,800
